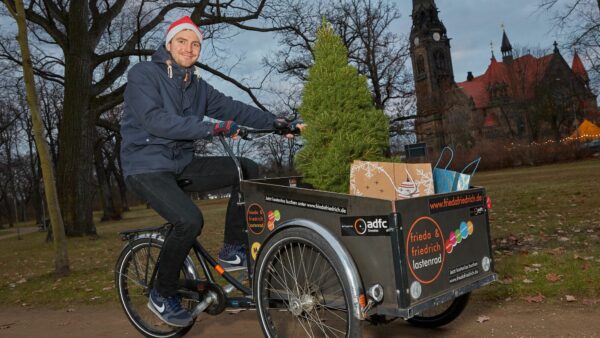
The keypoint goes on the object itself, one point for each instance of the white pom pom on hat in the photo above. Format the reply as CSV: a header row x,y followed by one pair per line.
x,y
182,24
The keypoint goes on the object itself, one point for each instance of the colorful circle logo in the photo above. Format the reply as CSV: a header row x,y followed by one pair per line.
x,y
464,230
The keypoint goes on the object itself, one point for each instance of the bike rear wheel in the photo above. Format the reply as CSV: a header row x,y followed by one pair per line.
x,y
301,289
133,272
441,314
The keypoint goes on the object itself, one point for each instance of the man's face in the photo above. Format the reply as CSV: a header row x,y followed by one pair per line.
x,y
184,48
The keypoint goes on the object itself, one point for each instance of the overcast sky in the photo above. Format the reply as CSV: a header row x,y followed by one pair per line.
x,y
471,25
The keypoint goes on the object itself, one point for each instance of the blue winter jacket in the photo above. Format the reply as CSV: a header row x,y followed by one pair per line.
x,y
163,115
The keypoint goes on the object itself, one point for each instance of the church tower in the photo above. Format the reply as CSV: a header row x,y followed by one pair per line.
x,y
432,72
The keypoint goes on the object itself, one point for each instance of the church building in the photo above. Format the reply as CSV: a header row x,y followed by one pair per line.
x,y
520,98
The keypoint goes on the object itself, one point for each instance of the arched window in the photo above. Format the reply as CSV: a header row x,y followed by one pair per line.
x,y
440,59
420,64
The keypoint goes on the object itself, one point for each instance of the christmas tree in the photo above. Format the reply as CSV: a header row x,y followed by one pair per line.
x,y
342,122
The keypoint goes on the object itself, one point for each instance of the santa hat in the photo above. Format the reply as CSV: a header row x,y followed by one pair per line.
x,y
182,24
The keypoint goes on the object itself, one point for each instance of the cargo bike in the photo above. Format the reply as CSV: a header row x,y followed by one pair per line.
x,y
322,263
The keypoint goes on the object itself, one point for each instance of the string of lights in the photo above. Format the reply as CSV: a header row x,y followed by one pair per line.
x,y
565,140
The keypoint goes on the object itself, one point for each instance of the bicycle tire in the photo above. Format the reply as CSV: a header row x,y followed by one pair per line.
x,y
133,289
299,273
442,314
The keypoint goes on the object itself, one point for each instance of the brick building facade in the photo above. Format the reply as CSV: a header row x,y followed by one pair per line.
x,y
520,98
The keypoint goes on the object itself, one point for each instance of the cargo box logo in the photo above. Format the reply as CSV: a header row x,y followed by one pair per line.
x,y
365,226
254,250
255,218
425,250
272,217
456,236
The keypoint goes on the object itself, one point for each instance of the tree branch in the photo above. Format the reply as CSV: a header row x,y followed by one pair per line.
x,y
106,102
234,82
101,21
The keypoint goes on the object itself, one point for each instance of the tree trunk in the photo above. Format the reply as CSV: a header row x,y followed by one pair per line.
x,y
36,198
9,217
77,129
61,260
12,211
108,205
119,176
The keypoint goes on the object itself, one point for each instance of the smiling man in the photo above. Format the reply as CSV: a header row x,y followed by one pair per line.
x,y
165,105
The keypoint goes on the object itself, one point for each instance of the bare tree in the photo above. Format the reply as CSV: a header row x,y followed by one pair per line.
x,y
579,21
86,46
365,27
61,261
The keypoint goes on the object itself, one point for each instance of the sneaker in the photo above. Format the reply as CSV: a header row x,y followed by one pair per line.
x,y
232,257
169,309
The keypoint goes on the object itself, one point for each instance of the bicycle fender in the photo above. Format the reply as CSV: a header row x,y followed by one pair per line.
x,y
348,265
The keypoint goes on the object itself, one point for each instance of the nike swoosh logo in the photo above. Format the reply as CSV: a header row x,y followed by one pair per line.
x,y
237,260
159,308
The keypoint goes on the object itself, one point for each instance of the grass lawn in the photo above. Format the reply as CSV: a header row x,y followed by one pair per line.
x,y
545,226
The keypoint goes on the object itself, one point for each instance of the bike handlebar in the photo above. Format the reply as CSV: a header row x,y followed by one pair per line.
x,y
279,128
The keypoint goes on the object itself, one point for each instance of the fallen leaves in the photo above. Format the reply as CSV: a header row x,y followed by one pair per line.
x,y
534,299
557,251
586,265
482,319
552,277
529,269
588,301
570,298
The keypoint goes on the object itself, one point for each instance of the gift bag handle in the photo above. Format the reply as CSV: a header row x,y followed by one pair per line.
x,y
442,155
474,162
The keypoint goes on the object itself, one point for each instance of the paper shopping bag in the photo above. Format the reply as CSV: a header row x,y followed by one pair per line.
x,y
391,181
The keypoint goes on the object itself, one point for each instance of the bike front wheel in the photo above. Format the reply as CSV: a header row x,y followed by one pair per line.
x,y
133,273
301,289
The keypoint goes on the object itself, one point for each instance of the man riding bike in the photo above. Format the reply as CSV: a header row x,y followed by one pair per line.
x,y
165,105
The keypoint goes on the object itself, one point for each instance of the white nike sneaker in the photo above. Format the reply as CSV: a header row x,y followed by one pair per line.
x,y
169,309
232,257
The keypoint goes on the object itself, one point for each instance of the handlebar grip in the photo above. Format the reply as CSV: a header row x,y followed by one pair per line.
x,y
243,133
280,124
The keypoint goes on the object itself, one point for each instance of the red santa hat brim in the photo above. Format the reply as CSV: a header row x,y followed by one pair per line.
x,y
180,25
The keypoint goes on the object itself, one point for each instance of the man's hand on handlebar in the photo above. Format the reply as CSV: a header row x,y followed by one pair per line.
x,y
280,127
288,128
226,128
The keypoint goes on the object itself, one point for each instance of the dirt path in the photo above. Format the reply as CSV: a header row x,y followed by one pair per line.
x,y
513,319
14,232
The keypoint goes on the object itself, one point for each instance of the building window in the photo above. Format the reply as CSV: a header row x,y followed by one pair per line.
x,y
420,64
440,59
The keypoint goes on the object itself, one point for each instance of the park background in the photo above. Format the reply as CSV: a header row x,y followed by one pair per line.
x,y
545,222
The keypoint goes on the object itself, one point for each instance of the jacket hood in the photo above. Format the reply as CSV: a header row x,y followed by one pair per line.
x,y
161,55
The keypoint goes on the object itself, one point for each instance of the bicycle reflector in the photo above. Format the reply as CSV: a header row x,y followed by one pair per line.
x,y
488,202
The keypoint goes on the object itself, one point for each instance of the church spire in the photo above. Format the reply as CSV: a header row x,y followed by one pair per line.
x,y
506,48
425,17
579,69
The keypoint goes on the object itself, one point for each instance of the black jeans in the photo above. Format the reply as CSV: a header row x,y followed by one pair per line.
x,y
162,192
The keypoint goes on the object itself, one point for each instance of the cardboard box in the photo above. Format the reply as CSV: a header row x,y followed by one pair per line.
x,y
391,181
